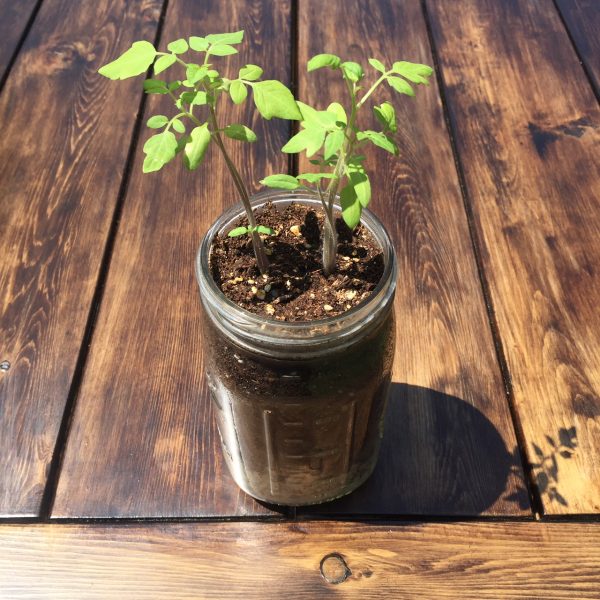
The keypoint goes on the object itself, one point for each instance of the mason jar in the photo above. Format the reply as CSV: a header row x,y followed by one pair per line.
x,y
299,405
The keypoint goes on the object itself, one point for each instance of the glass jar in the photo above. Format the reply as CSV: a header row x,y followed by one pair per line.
x,y
299,405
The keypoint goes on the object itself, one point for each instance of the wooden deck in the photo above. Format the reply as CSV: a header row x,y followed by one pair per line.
x,y
494,206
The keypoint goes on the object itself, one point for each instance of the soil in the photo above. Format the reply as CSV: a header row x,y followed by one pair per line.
x,y
301,431
296,289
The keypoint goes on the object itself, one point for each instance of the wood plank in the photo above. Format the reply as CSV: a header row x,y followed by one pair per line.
x,y
13,21
582,18
527,126
66,134
294,560
449,446
143,441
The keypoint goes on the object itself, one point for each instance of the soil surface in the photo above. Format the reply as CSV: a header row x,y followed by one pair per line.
x,y
296,289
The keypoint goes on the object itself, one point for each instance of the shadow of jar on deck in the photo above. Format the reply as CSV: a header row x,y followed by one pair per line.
x,y
439,456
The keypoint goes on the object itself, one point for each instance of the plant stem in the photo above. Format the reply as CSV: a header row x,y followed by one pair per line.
x,y
259,250
329,231
373,88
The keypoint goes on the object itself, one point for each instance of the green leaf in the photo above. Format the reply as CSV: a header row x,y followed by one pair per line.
x,y
195,73
333,142
157,121
238,91
234,37
336,109
240,132
377,64
159,150
284,182
323,60
132,62
415,72
199,44
400,86
155,86
178,126
379,139
362,186
264,230
174,85
195,98
196,148
307,139
386,115
200,99
238,231
351,207
178,46
222,50
312,118
315,177
251,72
273,99
164,62
352,71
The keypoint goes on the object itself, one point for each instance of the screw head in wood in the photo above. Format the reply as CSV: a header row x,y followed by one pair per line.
x,y
4,365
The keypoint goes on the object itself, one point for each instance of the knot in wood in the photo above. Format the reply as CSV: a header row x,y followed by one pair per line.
x,y
334,568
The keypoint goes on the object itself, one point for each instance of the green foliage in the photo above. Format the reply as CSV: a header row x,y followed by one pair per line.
x,y
195,149
159,150
377,64
155,86
240,132
234,37
178,46
132,62
401,86
333,137
273,99
283,182
250,73
238,92
222,50
379,139
386,115
157,121
246,230
200,88
352,71
324,60
164,62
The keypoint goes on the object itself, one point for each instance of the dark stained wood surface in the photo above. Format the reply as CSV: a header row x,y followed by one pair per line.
x,y
143,440
301,560
64,144
527,127
14,18
449,445
582,18
524,125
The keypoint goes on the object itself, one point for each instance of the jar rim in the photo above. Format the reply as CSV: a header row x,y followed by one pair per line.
x,y
292,332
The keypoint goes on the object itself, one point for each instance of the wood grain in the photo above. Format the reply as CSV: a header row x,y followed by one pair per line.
x,y
449,445
292,560
143,441
14,17
66,134
527,127
582,18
